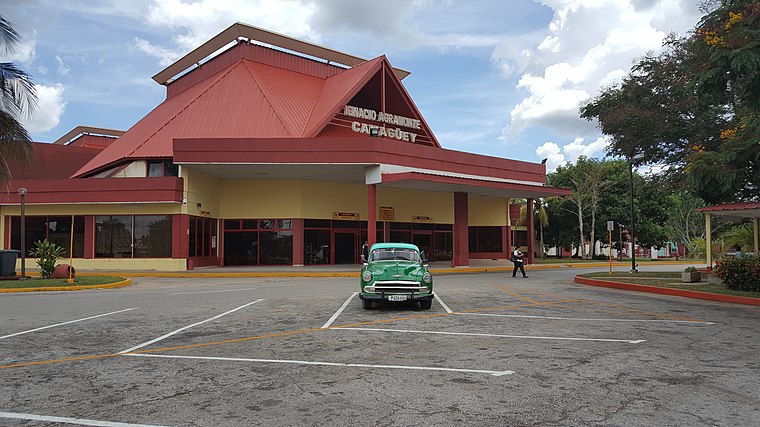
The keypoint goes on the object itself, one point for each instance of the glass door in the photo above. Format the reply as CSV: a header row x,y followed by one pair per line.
x,y
346,249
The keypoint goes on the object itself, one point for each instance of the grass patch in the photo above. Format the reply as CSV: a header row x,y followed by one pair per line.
x,y
668,280
36,282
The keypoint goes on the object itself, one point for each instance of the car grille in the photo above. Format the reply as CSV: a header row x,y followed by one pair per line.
x,y
396,285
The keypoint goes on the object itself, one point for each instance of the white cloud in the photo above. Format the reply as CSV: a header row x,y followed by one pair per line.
x,y
194,23
588,45
553,155
63,69
569,153
50,109
24,52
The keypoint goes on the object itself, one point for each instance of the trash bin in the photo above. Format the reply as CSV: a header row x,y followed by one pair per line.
x,y
8,262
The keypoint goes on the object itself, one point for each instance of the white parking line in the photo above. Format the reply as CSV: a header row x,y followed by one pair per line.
x,y
340,310
67,420
445,307
211,292
489,335
337,364
162,337
66,323
697,322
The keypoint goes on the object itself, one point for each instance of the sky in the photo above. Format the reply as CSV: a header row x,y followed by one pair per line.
x,y
503,78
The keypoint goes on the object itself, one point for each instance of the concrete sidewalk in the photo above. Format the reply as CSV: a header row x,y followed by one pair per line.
x,y
352,270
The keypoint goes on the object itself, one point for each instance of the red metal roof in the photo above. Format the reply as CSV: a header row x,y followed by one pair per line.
x,y
737,210
53,161
248,99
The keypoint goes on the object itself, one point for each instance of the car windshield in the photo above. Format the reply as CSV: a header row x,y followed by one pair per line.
x,y
394,254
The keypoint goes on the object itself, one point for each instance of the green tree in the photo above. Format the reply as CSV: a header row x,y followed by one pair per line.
x,y
685,222
695,106
588,180
18,99
541,214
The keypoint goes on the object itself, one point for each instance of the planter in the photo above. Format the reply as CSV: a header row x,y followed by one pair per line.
x,y
691,277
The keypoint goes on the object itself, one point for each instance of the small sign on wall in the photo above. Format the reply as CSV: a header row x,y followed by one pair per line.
x,y
345,215
387,213
422,219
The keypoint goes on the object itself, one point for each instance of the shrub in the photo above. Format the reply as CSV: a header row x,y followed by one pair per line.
x,y
47,253
740,273
690,269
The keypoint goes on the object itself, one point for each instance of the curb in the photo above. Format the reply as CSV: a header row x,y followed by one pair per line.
x,y
668,291
125,282
452,270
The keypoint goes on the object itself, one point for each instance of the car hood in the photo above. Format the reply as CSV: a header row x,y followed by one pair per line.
x,y
396,270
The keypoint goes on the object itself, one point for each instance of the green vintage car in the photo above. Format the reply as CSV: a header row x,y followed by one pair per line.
x,y
396,272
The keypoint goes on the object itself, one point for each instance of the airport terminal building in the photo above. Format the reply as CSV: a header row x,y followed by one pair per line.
x,y
273,152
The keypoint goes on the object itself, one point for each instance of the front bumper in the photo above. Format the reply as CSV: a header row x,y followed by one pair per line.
x,y
388,294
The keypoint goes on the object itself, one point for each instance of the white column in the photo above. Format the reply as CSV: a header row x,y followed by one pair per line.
x,y
708,236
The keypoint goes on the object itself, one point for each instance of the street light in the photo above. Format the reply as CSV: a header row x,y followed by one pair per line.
x,y
22,194
633,215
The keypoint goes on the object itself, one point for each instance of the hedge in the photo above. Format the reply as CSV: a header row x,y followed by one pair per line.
x,y
742,274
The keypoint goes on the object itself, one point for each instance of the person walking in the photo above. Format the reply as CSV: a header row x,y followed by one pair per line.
x,y
517,259
365,251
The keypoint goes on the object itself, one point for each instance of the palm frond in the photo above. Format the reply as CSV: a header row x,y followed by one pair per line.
x,y
9,38
15,145
18,95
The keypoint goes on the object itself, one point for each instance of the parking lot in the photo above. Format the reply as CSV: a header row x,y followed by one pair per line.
x,y
493,350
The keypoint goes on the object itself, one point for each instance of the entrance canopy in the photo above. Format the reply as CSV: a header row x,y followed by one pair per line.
x,y
733,211
365,161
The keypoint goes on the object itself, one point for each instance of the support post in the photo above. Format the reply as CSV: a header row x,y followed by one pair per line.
x,y
708,234
461,256
298,237
531,231
371,214
754,224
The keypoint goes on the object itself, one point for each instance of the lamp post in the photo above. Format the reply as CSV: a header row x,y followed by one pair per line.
x,y
633,214
22,194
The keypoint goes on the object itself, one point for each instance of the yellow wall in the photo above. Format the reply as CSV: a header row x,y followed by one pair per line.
x,y
203,189
409,203
320,199
259,199
488,211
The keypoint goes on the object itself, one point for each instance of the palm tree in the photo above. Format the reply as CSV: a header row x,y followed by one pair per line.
x,y
18,99
539,206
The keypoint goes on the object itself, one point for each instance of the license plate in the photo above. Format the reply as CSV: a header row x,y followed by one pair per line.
x,y
397,297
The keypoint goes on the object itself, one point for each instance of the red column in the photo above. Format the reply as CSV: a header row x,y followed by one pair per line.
x,y
460,236
180,237
297,242
506,248
531,231
371,214
89,236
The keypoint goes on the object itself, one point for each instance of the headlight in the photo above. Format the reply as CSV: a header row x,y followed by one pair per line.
x,y
366,276
427,278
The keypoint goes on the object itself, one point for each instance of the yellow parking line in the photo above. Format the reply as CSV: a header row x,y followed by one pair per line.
x,y
514,294
51,361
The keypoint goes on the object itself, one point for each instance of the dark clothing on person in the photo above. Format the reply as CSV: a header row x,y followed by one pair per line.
x,y
517,259
365,252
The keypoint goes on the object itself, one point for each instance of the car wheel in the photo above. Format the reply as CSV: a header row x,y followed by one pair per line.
x,y
425,304
366,304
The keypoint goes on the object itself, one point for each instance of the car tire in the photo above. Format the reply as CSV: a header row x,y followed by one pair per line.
x,y
366,304
426,304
